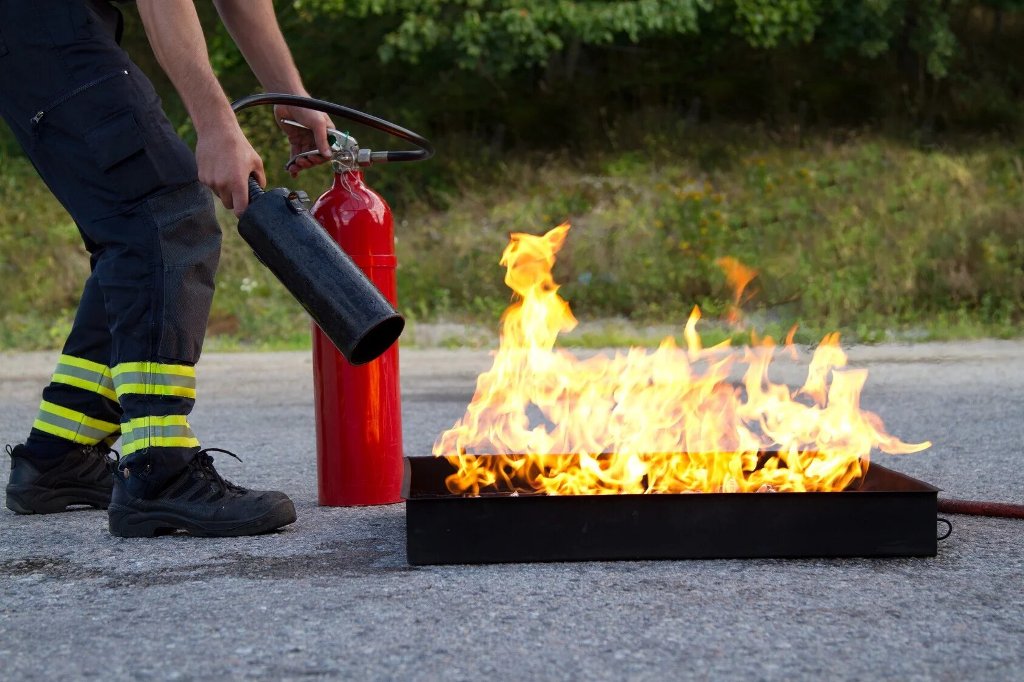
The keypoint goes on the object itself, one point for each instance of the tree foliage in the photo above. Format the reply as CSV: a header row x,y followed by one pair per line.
x,y
503,35
545,72
934,61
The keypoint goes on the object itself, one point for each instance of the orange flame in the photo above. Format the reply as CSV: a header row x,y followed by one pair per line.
x,y
666,421
739,276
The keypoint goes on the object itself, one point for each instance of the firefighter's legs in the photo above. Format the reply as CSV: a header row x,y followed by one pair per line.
x,y
93,126
157,292
127,367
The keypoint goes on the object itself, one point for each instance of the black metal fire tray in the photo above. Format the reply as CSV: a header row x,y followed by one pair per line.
x,y
884,514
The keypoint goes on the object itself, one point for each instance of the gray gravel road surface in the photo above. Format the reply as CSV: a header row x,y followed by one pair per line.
x,y
332,595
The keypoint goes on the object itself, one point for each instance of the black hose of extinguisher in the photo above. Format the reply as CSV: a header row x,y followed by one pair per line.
x,y
425,151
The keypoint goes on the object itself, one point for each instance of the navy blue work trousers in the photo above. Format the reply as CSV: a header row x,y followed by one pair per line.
x,y
93,126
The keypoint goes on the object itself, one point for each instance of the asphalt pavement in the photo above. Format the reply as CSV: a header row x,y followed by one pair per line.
x,y
333,597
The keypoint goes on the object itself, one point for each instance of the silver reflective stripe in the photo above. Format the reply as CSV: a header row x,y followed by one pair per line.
x,y
157,431
155,378
100,383
171,431
145,378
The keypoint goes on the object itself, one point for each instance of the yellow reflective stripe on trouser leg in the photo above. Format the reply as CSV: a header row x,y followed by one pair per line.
x,y
172,431
155,378
72,425
85,374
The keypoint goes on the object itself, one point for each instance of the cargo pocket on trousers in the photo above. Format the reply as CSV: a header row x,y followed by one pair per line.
x,y
119,148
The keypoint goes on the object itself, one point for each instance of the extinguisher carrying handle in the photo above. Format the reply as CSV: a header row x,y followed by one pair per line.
x,y
425,151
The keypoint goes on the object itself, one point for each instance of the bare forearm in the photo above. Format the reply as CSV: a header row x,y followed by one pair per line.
x,y
177,38
224,158
254,28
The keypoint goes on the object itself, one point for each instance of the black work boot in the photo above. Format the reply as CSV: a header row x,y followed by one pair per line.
x,y
38,486
196,500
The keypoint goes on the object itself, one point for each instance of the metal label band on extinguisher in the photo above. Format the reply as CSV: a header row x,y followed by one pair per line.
x,y
375,261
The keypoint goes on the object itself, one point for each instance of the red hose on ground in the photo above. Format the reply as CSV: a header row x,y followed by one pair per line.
x,y
980,508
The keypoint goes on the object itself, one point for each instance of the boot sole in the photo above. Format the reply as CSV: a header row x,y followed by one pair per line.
x,y
27,499
130,523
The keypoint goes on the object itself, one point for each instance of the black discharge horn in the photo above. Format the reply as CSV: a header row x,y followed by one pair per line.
x,y
339,297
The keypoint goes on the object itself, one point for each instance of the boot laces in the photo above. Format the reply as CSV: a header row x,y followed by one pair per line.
x,y
107,455
203,465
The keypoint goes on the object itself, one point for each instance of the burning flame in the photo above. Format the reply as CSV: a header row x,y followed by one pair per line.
x,y
739,276
667,421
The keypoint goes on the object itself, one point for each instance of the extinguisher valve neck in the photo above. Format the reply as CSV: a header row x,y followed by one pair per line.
x,y
344,161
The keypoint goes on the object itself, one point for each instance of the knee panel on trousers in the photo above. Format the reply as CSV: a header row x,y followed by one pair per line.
x,y
190,240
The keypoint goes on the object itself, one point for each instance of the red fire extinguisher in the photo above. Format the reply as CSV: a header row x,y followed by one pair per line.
x,y
358,407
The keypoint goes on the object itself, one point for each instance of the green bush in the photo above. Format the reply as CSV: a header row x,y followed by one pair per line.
x,y
861,234
856,232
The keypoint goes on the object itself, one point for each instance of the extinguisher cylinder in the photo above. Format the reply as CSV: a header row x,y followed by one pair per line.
x,y
343,302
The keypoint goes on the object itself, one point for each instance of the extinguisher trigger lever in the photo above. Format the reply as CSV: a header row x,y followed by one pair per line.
x,y
303,155
345,151
347,154
339,141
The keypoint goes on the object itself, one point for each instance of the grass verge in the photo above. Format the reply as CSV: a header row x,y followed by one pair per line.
x,y
876,237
